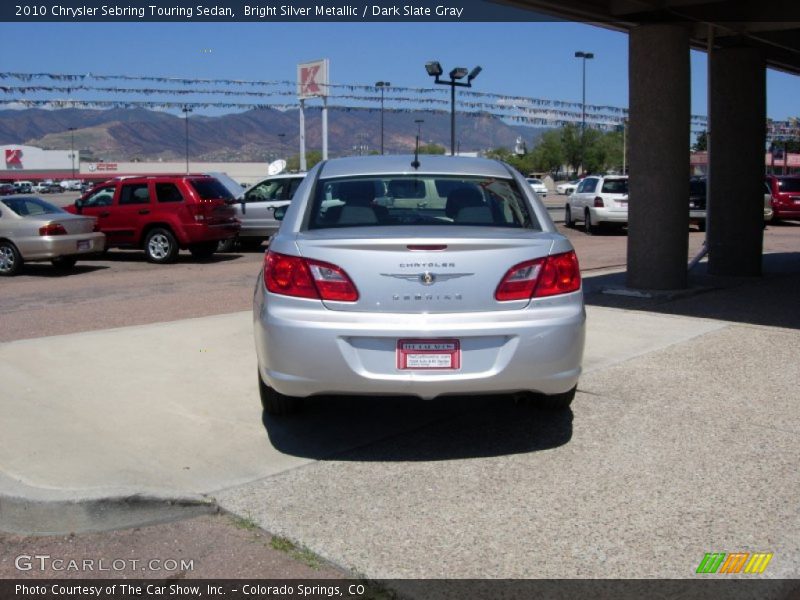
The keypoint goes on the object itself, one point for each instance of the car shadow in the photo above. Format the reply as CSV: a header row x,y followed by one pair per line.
x,y
48,270
137,256
771,299
410,429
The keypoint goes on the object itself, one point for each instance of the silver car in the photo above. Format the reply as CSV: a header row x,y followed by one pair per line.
x,y
34,230
256,207
392,275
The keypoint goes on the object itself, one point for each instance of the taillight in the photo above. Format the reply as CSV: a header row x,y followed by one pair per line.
x,y
548,276
52,229
598,202
307,278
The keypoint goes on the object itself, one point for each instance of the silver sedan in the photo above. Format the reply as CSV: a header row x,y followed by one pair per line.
x,y
34,230
392,275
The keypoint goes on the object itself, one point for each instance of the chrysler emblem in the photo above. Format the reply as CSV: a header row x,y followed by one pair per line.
x,y
427,278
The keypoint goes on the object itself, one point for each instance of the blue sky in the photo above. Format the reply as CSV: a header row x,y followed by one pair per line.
x,y
526,59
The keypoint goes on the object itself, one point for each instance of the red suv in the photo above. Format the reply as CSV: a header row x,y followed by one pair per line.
x,y
785,192
162,214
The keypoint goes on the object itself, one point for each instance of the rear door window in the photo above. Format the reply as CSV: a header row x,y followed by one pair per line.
x,y
136,193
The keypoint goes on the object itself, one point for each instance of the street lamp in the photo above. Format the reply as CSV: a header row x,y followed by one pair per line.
x,y
382,85
434,69
584,56
186,110
72,149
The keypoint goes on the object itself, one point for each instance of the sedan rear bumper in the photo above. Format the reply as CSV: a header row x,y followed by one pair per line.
x,y
305,349
49,247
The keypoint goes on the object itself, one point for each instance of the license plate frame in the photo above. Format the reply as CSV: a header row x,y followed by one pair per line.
x,y
84,244
426,354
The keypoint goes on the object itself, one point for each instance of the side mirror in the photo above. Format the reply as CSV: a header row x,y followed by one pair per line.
x,y
243,205
279,213
79,205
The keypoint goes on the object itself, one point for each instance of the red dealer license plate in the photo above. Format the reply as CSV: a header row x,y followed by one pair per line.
x,y
428,354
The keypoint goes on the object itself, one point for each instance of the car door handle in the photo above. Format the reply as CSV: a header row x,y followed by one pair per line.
x,y
144,211
104,214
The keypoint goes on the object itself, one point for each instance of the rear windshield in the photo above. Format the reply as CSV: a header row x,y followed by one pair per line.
x,y
31,206
615,186
419,200
211,189
789,185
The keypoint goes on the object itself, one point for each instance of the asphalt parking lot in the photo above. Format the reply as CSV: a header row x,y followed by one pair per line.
x,y
126,378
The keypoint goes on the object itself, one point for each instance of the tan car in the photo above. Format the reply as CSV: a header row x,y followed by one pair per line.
x,y
34,230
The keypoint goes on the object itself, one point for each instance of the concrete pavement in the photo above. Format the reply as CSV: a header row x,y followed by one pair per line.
x,y
682,441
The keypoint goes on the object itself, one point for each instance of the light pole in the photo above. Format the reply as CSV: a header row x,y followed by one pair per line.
x,y
434,69
382,85
584,56
186,110
419,123
72,149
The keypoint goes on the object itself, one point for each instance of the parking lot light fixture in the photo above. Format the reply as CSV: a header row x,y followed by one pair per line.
x,y
434,69
186,110
382,85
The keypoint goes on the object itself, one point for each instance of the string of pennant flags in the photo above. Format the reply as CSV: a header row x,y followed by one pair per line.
x,y
519,109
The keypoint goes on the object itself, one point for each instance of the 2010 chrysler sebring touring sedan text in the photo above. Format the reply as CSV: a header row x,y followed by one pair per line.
x,y
396,276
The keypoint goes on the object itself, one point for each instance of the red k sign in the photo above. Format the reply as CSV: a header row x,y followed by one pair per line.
x,y
14,158
312,79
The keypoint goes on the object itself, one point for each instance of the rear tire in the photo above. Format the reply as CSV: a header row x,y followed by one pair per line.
x,y
568,221
275,403
160,246
587,224
203,251
555,402
226,245
64,263
10,259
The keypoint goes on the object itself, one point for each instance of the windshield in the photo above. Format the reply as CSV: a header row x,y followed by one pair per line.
x,y
211,189
392,200
31,206
790,184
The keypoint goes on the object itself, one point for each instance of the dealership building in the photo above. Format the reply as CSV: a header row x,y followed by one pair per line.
x,y
28,163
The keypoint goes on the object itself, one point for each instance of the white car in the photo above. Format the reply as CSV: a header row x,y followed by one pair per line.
x,y
598,200
538,186
567,187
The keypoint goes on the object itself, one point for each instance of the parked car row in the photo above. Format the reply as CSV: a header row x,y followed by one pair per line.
x,y
43,187
160,214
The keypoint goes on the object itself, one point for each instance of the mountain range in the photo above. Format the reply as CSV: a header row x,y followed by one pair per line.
x,y
125,134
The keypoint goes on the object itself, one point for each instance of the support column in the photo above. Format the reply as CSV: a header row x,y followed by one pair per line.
x,y
738,105
658,151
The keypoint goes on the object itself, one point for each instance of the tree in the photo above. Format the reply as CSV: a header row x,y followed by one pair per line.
x,y
548,155
312,158
571,144
701,145
431,148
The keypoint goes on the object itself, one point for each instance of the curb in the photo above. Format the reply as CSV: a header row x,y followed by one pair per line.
x,y
60,517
